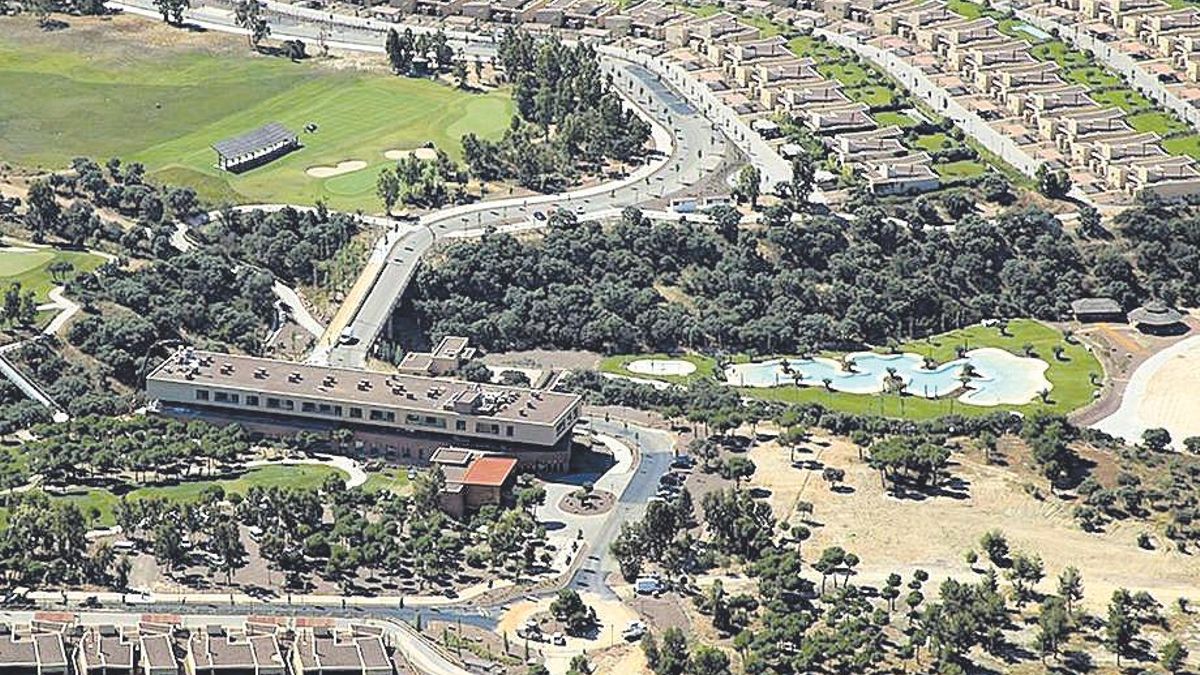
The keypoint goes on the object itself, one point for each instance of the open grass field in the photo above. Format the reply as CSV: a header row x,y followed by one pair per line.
x,y
163,102
960,170
391,478
1157,122
30,267
1183,145
934,141
100,503
889,118
815,48
705,366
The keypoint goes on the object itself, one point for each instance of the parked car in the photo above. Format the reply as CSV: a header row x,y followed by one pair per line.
x,y
648,585
683,462
558,639
671,479
634,631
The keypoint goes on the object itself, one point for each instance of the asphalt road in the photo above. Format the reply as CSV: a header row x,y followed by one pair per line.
x,y
695,150
656,449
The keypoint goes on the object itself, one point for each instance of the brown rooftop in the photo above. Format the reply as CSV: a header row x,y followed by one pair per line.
x,y
490,471
157,652
409,392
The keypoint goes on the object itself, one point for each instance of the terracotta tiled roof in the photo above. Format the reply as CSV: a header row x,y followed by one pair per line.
x,y
492,471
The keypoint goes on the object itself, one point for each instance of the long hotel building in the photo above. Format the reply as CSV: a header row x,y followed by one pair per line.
x,y
402,417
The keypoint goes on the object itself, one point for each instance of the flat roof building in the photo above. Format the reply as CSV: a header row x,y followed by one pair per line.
x,y
454,411
103,650
255,148
321,652
157,655
215,651
36,654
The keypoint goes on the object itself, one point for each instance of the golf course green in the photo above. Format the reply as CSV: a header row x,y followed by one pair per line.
x,y
164,104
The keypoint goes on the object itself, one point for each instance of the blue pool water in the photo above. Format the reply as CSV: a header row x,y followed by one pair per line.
x,y
1033,32
1001,377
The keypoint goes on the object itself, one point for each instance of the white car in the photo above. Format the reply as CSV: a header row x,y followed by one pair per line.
x,y
558,639
634,631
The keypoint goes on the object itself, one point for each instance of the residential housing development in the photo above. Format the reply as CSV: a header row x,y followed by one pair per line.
x,y
150,648
1031,101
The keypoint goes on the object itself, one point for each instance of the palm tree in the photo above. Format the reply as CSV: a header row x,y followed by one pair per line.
x,y
848,363
1044,395
828,382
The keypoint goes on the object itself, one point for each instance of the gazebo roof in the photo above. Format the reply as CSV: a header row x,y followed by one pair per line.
x,y
1155,313
1096,306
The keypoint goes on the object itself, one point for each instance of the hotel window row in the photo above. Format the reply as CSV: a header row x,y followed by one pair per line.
x,y
411,419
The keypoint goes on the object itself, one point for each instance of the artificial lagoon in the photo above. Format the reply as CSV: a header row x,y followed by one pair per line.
x,y
1001,377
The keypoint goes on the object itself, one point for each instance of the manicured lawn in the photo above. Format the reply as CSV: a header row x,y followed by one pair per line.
x,y
1070,376
1125,99
889,118
302,476
165,105
394,479
849,73
705,366
935,141
816,49
1157,122
962,169
1060,53
1092,76
30,268
1183,145
966,8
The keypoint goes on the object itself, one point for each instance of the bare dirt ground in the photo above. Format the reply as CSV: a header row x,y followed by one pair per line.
x,y
612,615
933,533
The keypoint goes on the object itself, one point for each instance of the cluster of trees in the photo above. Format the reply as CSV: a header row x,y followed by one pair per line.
x,y
43,8
80,390
920,460
294,245
674,656
44,543
418,55
1051,183
1164,241
430,183
568,115
798,287
117,186
659,537
196,296
97,447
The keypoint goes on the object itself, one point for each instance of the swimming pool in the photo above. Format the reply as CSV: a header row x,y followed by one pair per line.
x,y
1001,377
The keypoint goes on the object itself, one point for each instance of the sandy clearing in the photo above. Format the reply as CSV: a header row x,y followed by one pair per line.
x,y
425,154
1161,393
347,166
676,367
611,614
889,534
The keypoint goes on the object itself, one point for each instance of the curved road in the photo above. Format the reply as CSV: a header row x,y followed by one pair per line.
x,y
696,148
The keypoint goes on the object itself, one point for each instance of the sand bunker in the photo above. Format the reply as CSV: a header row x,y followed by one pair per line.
x,y
331,171
676,367
425,154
